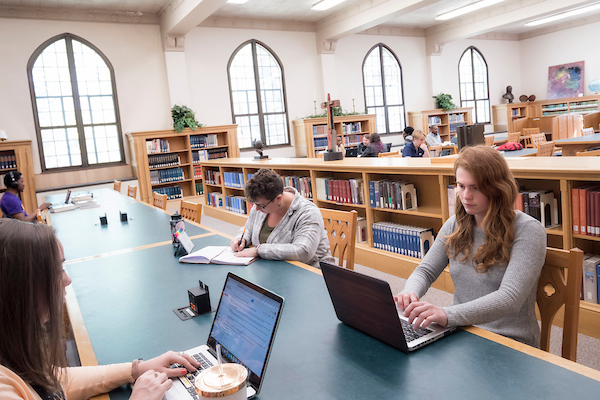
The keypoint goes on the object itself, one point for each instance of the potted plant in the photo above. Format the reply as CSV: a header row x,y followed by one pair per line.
x,y
184,117
444,101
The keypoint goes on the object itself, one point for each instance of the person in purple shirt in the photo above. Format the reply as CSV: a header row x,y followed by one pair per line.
x,y
10,203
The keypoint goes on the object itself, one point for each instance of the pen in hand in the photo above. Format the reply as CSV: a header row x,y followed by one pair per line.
x,y
241,238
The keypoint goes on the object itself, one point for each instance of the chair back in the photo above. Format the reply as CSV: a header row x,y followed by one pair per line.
x,y
117,185
341,232
514,137
320,155
434,151
389,154
537,138
40,217
560,284
545,149
489,140
587,131
159,200
131,191
530,131
588,153
191,211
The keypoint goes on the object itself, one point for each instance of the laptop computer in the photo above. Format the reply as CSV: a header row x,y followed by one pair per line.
x,y
242,339
366,304
64,206
352,152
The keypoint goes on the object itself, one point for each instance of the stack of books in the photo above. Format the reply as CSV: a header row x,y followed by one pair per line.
x,y
394,195
348,191
406,240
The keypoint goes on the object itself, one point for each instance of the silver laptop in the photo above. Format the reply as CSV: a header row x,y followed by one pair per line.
x,y
366,304
243,340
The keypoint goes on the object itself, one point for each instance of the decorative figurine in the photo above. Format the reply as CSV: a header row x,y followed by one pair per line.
x,y
508,95
259,146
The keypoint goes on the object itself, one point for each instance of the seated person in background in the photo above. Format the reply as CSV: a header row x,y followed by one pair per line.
x,y
375,146
407,134
282,225
32,343
416,148
495,254
433,139
10,204
338,145
363,146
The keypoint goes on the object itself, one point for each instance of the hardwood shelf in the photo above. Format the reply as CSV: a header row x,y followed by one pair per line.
x,y
170,166
342,204
424,119
423,211
21,151
171,183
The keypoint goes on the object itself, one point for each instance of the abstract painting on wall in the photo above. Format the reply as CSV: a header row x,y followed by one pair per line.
x,y
565,80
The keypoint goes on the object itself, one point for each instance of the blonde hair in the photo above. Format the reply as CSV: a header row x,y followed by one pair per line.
x,y
418,134
495,180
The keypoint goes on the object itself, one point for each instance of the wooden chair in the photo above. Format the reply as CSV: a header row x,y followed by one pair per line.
x,y
40,217
545,149
434,151
159,200
587,131
191,211
489,140
117,185
341,232
514,137
320,155
537,138
560,284
131,191
530,131
588,153
389,154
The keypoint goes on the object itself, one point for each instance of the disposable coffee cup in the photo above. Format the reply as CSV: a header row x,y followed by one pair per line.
x,y
230,384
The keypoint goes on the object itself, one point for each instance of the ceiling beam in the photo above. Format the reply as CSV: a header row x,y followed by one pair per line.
x,y
181,17
364,16
492,19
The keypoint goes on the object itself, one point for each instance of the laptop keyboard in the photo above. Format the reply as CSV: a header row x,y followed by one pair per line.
x,y
411,333
189,379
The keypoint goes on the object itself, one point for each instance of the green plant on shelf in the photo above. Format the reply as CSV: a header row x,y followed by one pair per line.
x,y
184,117
444,101
337,112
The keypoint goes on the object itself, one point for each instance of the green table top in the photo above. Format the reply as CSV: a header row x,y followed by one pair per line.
x,y
103,196
127,300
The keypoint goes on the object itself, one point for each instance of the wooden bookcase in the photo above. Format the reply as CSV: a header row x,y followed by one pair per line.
x,y
366,122
181,146
558,174
551,108
446,121
20,152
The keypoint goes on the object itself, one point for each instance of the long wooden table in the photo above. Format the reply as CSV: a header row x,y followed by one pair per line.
x,y
571,146
121,302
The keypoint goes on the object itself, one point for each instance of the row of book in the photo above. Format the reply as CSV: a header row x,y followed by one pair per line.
x,y
349,191
434,120
197,172
351,127
586,210
351,140
8,162
454,126
172,192
302,184
213,177
214,199
319,129
321,142
208,154
234,179
199,141
236,204
406,240
394,195
199,189
166,175
540,204
460,117
157,146
163,160
591,278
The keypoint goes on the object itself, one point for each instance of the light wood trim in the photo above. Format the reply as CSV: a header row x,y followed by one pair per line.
x,y
191,211
341,232
159,200
131,191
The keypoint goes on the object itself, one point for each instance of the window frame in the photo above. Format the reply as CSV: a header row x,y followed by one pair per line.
x,y
475,99
383,91
260,114
76,104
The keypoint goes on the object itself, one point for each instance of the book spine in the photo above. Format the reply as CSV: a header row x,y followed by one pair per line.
x,y
582,212
575,209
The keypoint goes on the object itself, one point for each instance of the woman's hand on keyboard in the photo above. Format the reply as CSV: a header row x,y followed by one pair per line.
x,y
421,314
164,361
404,299
150,386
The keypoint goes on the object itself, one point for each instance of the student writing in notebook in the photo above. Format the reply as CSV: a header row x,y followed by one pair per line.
x,y
32,344
495,254
282,225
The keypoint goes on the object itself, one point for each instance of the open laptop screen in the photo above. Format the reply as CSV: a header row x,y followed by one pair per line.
x,y
245,324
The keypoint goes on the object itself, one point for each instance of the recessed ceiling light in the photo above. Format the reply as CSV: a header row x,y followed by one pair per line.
x,y
237,1
565,14
467,9
326,4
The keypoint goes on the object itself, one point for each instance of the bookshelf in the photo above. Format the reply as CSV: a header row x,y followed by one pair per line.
x,y
559,175
446,121
16,156
313,131
169,162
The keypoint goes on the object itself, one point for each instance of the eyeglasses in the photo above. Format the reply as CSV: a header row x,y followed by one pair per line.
x,y
265,206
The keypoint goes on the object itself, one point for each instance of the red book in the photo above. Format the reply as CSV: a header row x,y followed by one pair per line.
x,y
590,212
575,208
583,211
330,197
348,192
519,202
597,213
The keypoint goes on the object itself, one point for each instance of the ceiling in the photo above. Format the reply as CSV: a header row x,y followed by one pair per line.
x,y
379,17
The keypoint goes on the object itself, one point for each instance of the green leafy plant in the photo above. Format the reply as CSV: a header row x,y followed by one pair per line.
x,y
337,112
444,101
184,117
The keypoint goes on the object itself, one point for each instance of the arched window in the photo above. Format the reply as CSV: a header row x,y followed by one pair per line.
x,y
254,68
384,96
75,104
474,87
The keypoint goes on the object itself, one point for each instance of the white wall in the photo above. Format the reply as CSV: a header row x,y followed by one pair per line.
x,y
134,51
567,46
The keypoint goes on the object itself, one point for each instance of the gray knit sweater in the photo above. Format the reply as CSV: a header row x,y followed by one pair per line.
x,y
501,300
299,236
